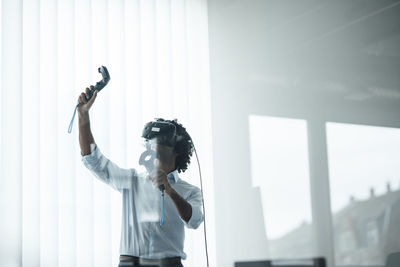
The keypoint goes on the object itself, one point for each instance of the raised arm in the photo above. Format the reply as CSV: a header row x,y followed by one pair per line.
x,y
104,169
85,134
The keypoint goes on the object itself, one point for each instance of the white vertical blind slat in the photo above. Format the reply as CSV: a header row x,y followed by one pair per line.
x,y
30,135
84,182
117,133
66,143
178,55
48,134
11,137
99,116
147,37
133,104
117,87
163,48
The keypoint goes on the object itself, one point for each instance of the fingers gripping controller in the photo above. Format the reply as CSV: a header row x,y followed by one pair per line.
x,y
99,85
102,83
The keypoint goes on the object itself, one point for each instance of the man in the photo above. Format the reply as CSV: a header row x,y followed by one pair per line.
x,y
152,226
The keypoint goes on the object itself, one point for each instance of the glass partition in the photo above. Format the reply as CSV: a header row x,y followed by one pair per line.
x,y
279,166
364,174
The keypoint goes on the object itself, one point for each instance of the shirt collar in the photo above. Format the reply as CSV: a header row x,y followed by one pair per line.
x,y
173,176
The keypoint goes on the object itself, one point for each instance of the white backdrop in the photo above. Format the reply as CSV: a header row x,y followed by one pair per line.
x,y
54,213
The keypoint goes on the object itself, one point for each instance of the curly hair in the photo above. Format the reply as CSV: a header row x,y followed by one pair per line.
x,y
183,147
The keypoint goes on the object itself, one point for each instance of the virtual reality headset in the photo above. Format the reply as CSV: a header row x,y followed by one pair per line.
x,y
162,132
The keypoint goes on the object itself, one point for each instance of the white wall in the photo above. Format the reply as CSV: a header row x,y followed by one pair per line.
x,y
312,60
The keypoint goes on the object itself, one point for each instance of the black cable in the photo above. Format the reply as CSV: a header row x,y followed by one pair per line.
x,y
202,200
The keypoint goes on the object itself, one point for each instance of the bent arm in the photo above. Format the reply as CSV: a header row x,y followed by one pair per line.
x,y
184,208
189,209
99,165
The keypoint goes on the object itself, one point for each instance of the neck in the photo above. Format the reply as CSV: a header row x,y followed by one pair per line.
x,y
167,168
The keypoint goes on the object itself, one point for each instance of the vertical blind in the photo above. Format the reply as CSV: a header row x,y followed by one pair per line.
x,y
53,212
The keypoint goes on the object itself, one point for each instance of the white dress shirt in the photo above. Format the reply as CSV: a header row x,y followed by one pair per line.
x,y
141,233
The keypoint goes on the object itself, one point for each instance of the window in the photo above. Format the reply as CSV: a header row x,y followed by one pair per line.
x,y
279,165
364,175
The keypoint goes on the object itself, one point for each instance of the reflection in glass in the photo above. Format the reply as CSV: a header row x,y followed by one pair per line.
x,y
364,174
279,165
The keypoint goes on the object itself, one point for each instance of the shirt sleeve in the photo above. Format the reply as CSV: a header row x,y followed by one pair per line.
x,y
107,171
195,200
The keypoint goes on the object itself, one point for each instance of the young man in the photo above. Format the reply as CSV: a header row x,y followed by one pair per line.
x,y
152,226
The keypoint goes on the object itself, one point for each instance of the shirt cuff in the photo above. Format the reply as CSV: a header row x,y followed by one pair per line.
x,y
196,219
91,160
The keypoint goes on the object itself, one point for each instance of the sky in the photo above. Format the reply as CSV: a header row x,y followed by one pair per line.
x,y
360,158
